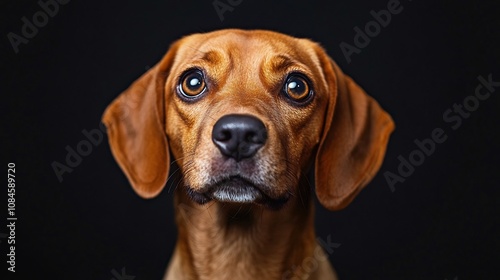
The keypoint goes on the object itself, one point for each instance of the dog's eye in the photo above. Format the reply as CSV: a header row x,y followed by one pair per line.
x,y
192,83
297,88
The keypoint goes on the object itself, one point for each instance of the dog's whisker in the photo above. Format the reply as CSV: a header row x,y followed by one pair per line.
x,y
236,214
188,155
244,123
301,198
180,183
174,173
208,212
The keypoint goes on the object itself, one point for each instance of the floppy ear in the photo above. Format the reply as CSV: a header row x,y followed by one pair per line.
x,y
354,139
135,123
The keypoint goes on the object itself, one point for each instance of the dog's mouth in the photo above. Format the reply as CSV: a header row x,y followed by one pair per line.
x,y
237,189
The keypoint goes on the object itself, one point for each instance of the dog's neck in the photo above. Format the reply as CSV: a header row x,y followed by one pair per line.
x,y
227,241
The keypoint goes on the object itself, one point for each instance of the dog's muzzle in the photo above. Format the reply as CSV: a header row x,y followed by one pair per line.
x,y
238,138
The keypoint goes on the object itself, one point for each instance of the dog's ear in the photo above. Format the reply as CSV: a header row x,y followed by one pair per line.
x,y
135,123
354,139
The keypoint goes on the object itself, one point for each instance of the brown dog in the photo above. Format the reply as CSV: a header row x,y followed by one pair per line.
x,y
246,114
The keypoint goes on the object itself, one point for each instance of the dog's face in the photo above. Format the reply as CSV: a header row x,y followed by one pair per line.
x,y
245,114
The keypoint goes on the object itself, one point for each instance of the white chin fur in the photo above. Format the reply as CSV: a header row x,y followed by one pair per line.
x,y
236,194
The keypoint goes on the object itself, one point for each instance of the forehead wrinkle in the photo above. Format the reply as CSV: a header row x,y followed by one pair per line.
x,y
212,57
273,69
280,63
198,48
208,57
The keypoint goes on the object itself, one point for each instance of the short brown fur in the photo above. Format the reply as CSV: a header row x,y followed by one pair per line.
x,y
342,133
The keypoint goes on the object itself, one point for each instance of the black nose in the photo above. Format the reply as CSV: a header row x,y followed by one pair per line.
x,y
239,136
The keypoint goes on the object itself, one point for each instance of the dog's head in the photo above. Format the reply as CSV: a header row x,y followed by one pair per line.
x,y
245,114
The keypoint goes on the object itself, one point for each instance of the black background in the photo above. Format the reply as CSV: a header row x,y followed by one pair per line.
x,y
442,222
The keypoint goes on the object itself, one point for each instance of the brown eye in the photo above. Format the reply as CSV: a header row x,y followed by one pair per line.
x,y
192,84
297,88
